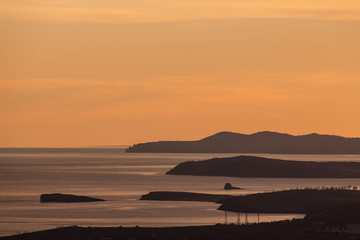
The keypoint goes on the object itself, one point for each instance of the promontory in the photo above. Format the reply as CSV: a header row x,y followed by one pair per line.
x,y
251,166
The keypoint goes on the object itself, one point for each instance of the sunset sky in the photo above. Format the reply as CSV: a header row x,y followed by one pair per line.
x,y
110,72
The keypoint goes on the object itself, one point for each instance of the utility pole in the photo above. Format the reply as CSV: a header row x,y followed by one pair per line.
x,y
225,217
238,218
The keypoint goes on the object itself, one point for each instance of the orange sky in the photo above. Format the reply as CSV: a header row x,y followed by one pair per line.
x,y
110,72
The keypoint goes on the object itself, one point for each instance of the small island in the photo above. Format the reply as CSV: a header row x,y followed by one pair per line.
x,y
59,197
228,186
259,167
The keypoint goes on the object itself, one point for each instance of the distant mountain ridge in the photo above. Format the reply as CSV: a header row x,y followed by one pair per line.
x,y
261,142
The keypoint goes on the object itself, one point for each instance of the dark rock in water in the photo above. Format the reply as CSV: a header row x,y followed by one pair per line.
x,y
59,197
228,186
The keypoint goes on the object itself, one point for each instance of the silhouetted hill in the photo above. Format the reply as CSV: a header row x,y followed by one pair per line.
x,y
285,230
251,166
261,142
292,201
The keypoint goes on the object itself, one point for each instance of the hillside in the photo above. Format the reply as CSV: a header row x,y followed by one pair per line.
x,y
261,142
292,201
294,230
251,166
337,215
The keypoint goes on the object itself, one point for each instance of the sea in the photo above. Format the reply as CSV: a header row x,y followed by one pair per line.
x,y
121,179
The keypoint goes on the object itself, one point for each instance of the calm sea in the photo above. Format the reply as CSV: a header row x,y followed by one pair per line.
x,y
121,178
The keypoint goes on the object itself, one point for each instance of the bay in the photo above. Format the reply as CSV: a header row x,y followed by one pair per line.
x,y
121,178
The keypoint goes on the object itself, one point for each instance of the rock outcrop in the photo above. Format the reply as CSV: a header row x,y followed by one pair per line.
x,y
228,186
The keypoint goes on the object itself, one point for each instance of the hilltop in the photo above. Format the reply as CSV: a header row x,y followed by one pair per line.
x,y
261,142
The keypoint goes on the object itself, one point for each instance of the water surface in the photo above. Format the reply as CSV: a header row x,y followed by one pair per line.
x,y
121,178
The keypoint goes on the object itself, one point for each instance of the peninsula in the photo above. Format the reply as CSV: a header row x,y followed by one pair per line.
x,y
261,142
251,166
184,196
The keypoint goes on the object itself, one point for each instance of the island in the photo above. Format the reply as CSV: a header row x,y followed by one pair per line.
x,y
261,142
228,186
184,196
259,167
59,197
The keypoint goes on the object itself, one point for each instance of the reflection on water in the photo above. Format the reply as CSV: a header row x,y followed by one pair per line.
x,y
121,179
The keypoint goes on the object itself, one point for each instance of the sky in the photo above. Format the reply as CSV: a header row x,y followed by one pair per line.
x,y
118,72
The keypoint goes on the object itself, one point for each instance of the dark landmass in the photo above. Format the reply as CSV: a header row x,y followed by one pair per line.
x,y
338,215
251,166
184,196
261,142
228,186
59,197
292,201
285,230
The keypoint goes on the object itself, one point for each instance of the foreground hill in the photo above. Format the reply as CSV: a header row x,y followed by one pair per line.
x,y
293,201
251,166
294,230
261,142
337,215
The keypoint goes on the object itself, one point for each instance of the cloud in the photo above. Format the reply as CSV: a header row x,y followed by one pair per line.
x,y
143,11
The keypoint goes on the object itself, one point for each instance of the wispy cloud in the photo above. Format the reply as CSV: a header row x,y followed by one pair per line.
x,y
141,11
